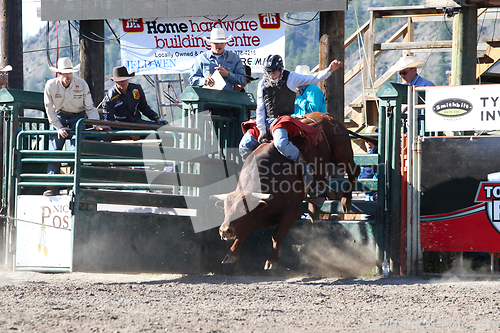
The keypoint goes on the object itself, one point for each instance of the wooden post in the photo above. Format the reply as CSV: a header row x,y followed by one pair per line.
x,y
92,57
369,72
409,36
11,21
331,47
464,51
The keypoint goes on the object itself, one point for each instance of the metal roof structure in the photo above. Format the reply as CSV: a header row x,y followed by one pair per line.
x,y
56,10
462,3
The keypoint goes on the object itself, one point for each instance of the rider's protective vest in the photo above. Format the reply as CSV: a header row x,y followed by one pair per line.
x,y
278,98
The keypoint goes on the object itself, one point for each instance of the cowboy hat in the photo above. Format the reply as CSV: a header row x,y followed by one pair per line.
x,y
7,68
248,71
64,65
303,69
121,74
217,35
406,62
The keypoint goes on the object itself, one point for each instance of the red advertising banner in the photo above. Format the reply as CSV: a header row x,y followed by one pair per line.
x,y
460,203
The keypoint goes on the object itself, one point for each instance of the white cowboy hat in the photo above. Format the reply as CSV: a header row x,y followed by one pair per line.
x,y
406,62
64,65
7,68
217,35
303,69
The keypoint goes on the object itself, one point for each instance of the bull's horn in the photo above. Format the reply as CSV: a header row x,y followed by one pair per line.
x,y
262,196
219,196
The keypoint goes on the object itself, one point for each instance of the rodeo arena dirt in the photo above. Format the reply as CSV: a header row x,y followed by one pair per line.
x,y
86,302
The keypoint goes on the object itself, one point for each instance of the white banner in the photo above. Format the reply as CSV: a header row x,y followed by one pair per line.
x,y
462,108
44,233
169,46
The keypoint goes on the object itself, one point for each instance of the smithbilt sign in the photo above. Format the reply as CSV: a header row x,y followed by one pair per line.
x,y
452,107
462,108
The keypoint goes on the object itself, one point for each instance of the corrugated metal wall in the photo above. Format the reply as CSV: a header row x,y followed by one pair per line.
x,y
54,10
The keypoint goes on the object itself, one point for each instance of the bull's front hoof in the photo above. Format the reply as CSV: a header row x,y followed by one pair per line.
x,y
229,259
270,265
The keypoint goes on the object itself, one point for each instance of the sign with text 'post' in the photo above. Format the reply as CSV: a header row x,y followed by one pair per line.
x,y
169,46
462,108
44,233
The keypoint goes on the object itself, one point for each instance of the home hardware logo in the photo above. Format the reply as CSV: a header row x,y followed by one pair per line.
x,y
270,21
133,25
489,193
452,107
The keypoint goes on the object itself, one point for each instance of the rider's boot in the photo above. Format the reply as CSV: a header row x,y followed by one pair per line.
x,y
307,172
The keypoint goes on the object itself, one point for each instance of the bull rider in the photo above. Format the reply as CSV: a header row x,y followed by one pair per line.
x,y
276,97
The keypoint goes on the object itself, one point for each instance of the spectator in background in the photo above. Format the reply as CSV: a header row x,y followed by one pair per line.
x,y
227,63
4,76
407,68
309,97
370,172
249,79
67,99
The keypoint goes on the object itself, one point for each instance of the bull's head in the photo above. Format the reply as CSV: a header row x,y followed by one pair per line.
x,y
237,206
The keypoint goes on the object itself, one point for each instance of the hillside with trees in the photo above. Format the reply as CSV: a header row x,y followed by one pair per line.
x,y
302,42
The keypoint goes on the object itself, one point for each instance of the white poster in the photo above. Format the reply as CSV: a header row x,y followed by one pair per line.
x,y
170,45
44,233
462,108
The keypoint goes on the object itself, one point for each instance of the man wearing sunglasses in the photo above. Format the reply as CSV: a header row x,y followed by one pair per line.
x,y
407,68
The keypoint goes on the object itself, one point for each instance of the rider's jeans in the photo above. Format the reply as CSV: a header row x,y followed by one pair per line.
x,y
280,138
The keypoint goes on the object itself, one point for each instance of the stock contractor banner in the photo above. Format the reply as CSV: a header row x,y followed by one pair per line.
x,y
169,46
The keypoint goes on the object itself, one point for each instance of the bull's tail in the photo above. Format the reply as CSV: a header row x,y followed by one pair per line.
x,y
366,138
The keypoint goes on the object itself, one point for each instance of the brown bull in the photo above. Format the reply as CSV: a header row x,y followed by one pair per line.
x,y
270,188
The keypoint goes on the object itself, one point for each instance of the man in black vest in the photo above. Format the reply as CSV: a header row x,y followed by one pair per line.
x,y
276,97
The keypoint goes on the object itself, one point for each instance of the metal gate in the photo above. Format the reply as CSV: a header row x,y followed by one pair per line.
x,y
129,200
